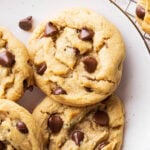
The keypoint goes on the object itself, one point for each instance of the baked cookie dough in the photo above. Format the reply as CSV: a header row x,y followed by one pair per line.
x,y
77,56
16,74
69,128
143,14
18,129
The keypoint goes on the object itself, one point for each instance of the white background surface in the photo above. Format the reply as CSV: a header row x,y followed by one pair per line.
x,y
135,84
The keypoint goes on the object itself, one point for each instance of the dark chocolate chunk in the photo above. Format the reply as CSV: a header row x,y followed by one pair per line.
x,y
7,59
26,23
77,136
58,91
140,12
102,145
50,29
90,64
55,123
21,126
101,118
41,68
86,34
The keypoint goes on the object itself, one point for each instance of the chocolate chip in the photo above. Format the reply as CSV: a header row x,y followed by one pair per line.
x,y
102,145
21,126
140,12
41,68
55,123
50,29
26,87
77,136
101,118
26,23
58,91
72,49
7,59
2,146
88,89
76,51
86,34
90,64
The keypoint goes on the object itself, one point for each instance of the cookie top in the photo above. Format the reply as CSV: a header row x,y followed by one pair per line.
x,y
18,129
69,128
77,57
15,72
143,14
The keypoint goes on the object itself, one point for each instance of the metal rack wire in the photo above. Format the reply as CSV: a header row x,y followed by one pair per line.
x,y
129,6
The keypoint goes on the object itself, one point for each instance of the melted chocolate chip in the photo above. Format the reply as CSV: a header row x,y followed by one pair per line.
x,y
90,64
21,126
77,136
26,23
86,34
55,123
140,12
2,146
7,59
101,118
102,145
58,91
50,29
41,68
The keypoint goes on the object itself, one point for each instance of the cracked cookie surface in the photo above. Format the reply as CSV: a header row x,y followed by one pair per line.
x,y
18,129
16,74
99,127
143,14
77,56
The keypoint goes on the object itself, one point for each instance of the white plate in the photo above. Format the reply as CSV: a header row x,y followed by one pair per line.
x,y
135,84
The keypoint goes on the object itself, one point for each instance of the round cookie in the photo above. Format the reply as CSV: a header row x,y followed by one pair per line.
x,y
143,15
18,129
70,128
77,56
16,74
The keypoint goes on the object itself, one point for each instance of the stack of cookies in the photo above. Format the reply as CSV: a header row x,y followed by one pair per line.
x,y
76,59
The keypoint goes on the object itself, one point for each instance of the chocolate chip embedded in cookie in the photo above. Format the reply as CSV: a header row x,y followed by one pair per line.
x,y
18,128
83,54
16,74
55,123
101,118
77,136
21,126
69,128
50,29
7,59
143,14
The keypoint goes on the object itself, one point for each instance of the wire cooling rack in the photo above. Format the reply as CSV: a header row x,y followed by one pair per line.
x,y
128,7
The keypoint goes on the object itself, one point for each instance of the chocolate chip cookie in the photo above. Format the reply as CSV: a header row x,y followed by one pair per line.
x,y
16,74
98,127
143,14
77,56
18,129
